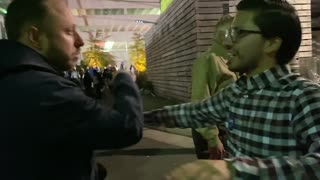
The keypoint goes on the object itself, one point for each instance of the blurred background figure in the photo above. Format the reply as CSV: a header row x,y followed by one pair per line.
x,y
88,84
98,84
210,73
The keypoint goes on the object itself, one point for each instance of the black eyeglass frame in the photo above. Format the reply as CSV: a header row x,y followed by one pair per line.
x,y
236,34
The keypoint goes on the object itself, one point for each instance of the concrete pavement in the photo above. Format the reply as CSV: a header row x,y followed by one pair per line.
x,y
151,159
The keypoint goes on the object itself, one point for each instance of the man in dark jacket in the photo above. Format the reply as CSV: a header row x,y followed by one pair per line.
x,y
49,127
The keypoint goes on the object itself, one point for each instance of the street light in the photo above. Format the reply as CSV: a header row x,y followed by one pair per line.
x,y
145,22
108,45
3,11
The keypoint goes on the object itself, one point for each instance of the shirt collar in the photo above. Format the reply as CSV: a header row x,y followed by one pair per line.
x,y
264,79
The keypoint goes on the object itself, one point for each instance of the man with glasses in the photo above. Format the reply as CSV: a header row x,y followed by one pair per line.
x,y
210,74
272,115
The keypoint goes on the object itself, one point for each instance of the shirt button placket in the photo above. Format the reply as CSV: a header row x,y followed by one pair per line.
x,y
245,94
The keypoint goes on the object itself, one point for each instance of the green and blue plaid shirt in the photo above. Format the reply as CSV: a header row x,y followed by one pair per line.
x,y
273,122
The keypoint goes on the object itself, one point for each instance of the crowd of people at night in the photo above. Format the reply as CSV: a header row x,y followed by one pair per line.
x,y
92,80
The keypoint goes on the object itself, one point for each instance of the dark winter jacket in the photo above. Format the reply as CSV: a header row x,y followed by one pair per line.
x,y
49,127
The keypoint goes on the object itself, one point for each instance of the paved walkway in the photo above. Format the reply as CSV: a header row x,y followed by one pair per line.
x,y
152,158
152,102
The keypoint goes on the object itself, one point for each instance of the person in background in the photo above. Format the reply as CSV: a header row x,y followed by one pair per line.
x,y
75,76
132,69
122,66
272,115
49,127
81,73
107,74
210,73
88,84
98,84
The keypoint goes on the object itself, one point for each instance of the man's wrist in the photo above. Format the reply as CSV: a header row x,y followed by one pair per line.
x,y
159,117
213,142
163,117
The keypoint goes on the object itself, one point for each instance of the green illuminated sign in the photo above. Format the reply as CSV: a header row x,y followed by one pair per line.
x,y
165,4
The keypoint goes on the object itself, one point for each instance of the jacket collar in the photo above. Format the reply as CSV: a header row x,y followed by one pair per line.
x,y
16,55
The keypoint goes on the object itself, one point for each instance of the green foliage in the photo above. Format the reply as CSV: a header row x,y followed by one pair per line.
x,y
96,57
137,53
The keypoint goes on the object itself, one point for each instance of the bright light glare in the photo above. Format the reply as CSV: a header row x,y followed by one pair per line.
x,y
3,10
108,45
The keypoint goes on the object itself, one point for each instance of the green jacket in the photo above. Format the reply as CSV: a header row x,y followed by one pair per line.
x,y
210,74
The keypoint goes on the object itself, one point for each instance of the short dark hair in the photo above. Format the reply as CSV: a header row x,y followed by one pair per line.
x,y
277,18
225,19
21,12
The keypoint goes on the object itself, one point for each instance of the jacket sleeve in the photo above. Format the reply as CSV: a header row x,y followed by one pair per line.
x,y
200,89
209,75
87,122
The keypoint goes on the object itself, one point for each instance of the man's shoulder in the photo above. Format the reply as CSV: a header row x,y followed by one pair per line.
x,y
202,56
302,86
47,80
55,88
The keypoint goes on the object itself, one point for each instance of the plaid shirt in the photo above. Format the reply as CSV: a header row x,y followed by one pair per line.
x,y
273,122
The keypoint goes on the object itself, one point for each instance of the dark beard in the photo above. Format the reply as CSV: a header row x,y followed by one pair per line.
x,y
58,60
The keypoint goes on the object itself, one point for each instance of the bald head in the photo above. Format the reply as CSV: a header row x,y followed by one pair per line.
x,y
21,13
46,26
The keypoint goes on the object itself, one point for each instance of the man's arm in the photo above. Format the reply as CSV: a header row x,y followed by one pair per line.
x,y
199,85
306,126
218,77
191,115
85,121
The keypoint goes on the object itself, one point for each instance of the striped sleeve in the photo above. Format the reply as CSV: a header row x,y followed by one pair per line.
x,y
304,167
206,113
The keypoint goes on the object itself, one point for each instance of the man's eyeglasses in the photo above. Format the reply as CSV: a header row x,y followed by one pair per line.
x,y
234,34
